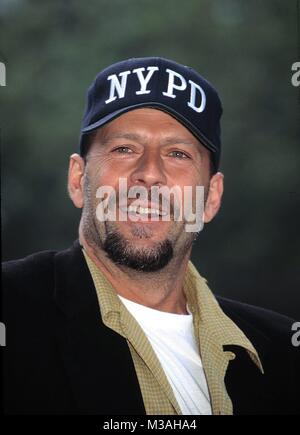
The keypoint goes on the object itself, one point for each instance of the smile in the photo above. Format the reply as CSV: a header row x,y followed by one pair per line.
x,y
143,211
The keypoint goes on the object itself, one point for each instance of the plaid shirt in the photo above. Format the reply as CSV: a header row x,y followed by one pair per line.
x,y
212,328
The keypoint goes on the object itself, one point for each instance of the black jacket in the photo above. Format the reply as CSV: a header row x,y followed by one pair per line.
x,y
61,359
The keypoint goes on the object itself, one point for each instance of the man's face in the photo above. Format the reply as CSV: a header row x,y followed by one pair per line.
x,y
147,148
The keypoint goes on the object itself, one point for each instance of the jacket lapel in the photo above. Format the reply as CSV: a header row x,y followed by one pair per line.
x,y
97,360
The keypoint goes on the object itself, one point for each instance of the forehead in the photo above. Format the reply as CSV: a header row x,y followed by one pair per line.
x,y
149,124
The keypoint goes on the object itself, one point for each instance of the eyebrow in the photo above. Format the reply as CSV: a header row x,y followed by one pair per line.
x,y
171,140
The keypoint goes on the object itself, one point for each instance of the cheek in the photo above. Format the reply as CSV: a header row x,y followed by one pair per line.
x,y
185,189
106,174
189,177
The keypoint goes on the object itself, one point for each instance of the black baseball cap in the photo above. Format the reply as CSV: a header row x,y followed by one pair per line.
x,y
160,84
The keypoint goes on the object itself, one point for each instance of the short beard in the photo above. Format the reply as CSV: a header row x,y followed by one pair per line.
x,y
143,260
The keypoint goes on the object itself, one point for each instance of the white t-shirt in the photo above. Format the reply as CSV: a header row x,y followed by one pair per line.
x,y
172,339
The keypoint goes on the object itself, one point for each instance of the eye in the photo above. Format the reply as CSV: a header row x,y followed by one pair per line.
x,y
123,150
179,154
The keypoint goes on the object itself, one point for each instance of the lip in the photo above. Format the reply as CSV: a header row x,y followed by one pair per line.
x,y
146,218
150,206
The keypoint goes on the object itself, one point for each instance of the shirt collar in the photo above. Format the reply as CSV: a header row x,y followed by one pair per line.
x,y
110,303
201,302
212,318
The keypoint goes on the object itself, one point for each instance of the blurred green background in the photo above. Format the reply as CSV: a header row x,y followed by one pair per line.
x,y
53,49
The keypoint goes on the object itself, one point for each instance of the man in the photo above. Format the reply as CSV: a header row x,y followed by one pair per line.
x,y
122,322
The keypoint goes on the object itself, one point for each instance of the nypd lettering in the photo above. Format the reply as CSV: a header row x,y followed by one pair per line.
x,y
176,83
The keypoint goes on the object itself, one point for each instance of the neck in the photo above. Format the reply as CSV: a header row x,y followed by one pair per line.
x,y
155,290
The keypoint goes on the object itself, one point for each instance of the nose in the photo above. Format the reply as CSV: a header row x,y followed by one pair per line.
x,y
149,170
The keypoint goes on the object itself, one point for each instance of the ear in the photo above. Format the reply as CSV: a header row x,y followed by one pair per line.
x,y
213,202
75,179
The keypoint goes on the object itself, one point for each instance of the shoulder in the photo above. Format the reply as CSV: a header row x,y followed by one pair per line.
x,y
271,334
31,281
265,328
27,284
262,316
29,268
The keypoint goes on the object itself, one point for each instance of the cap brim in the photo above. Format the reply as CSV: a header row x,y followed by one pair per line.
x,y
110,117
